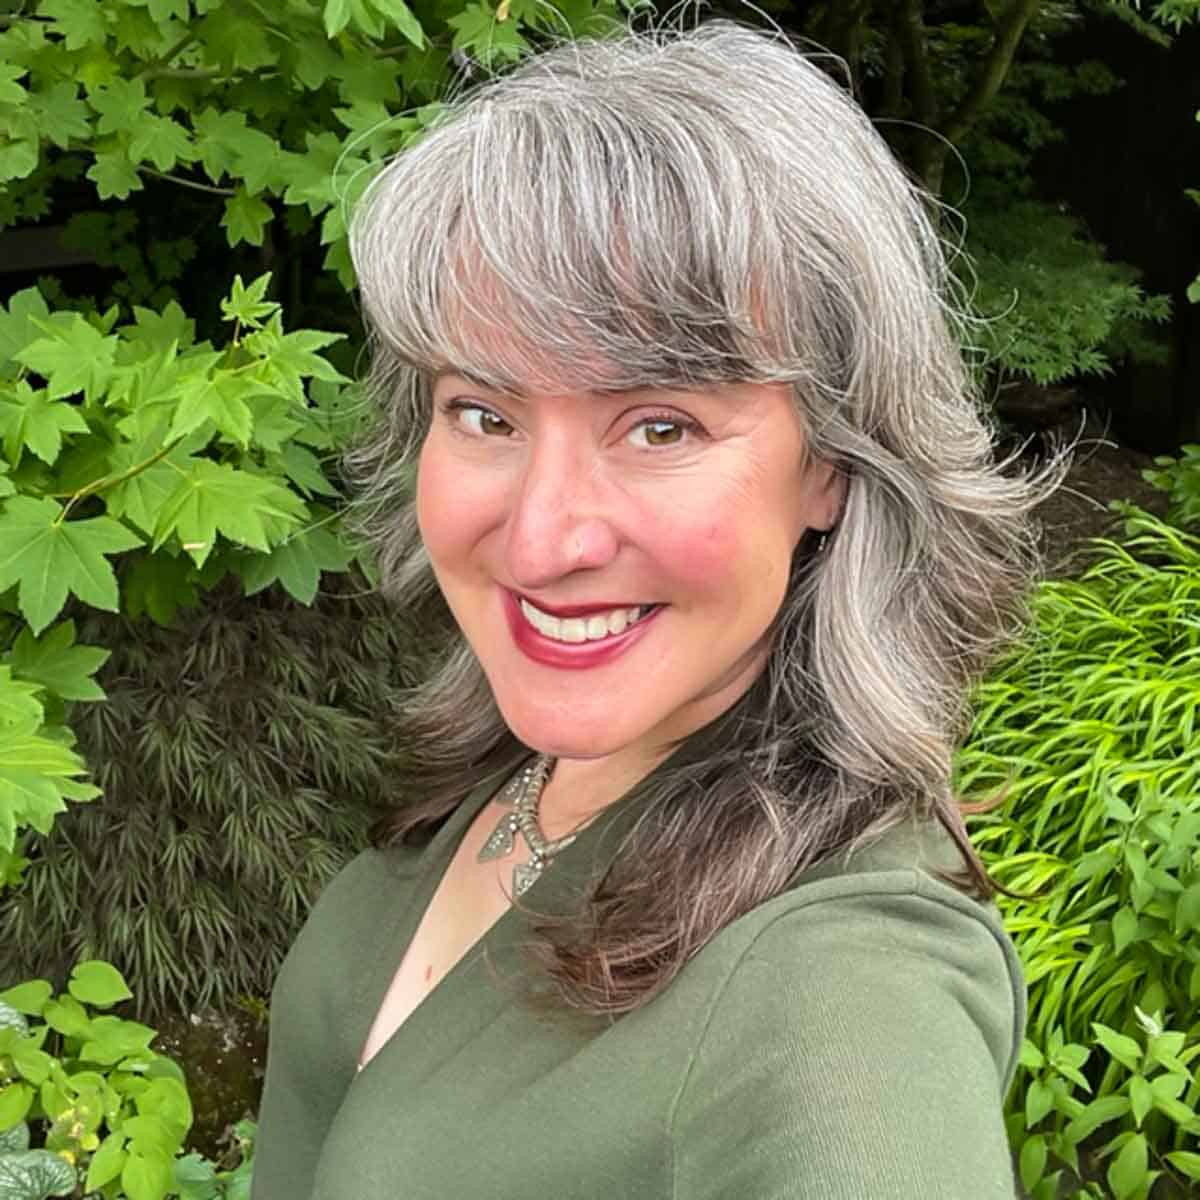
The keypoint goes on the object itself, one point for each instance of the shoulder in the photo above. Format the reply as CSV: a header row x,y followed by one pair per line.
x,y
854,1036
367,888
878,936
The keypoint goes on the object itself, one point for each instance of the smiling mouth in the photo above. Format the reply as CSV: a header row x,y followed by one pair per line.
x,y
592,628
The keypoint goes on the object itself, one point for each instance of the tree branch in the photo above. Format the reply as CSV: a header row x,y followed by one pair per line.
x,y
893,71
910,26
994,69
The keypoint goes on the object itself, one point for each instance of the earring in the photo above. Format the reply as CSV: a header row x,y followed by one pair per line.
x,y
821,543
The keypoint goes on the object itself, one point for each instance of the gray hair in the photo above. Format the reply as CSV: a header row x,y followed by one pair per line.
x,y
686,209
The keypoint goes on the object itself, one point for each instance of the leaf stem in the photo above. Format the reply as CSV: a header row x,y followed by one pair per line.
x,y
188,183
165,59
108,481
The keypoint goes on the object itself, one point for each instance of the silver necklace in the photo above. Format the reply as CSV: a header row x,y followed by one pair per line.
x,y
524,791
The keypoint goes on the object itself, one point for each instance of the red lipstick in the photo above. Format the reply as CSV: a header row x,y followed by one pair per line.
x,y
571,655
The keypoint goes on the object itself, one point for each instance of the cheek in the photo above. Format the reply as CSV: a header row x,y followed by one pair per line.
x,y
734,552
443,508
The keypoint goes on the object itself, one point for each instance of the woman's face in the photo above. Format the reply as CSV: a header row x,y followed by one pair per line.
x,y
615,560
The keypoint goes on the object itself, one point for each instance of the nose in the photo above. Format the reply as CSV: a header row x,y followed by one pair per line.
x,y
558,523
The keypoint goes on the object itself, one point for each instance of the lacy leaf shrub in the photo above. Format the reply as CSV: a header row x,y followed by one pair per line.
x,y
1090,727
240,755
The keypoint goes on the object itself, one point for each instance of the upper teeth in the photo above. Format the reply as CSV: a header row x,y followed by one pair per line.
x,y
581,629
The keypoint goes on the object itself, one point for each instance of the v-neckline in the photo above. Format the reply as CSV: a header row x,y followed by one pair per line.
x,y
562,879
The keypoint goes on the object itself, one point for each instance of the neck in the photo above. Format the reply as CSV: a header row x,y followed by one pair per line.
x,y
580,788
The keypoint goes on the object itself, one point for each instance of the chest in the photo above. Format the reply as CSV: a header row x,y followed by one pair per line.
x,y
487,1100
471,897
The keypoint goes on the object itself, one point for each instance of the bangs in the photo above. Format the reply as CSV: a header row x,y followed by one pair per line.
x,y
558,245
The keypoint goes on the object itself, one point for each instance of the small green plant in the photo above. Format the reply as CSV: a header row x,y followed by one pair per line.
x,y
1180,479
1148,1091
1091,728
112,1109
199,1178
108,1114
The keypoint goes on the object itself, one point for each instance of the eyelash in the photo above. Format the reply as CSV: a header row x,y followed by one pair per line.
x,y
454,408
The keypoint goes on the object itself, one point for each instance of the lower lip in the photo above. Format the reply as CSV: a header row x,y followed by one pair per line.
x,y
570,655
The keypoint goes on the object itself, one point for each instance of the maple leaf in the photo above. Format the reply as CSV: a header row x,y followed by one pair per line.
x,y
221,398
246,304
171,327
245,218
274,422
114,175
18,159
296,563
303,468
121,105
56,663
48,557
163,10
31,419
290,358
368,78
312,177
159,585
139,499
11,92
313,61
136,32
79,22
19,323
37,769
224,143
97,68
60,114
338,14
75,357
20,709
249,510
236,40
477,30
163,141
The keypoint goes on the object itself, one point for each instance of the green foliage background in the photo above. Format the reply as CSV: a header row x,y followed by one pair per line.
x,y
184,622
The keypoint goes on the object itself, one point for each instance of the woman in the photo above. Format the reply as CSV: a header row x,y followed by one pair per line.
x,y
668,905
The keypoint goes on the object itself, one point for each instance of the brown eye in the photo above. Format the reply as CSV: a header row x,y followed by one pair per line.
x,y
658,432
476,419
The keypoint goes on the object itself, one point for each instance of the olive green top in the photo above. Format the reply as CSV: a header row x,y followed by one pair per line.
x,y
850,1039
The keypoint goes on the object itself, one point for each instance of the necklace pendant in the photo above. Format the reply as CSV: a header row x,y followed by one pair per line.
x,y
524,877
500,842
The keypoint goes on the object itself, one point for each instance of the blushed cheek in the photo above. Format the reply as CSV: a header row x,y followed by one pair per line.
x,y
439,511
738,558
700,556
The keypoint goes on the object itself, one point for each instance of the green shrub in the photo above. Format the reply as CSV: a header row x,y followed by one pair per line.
x,y
241,756
1091,728
1180,479
87,1106
1053,307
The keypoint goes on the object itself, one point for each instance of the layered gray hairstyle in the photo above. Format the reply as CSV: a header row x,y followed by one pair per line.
x,y
681,210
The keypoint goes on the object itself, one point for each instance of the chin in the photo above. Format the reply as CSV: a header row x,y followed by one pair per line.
x,y
548,736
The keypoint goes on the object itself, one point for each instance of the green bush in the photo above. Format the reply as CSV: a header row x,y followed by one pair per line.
x,y
1052,306
87,1106
161,449
1180,479
1090,728
240,756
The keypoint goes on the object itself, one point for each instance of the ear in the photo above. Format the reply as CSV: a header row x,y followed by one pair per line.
x,y
827,488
